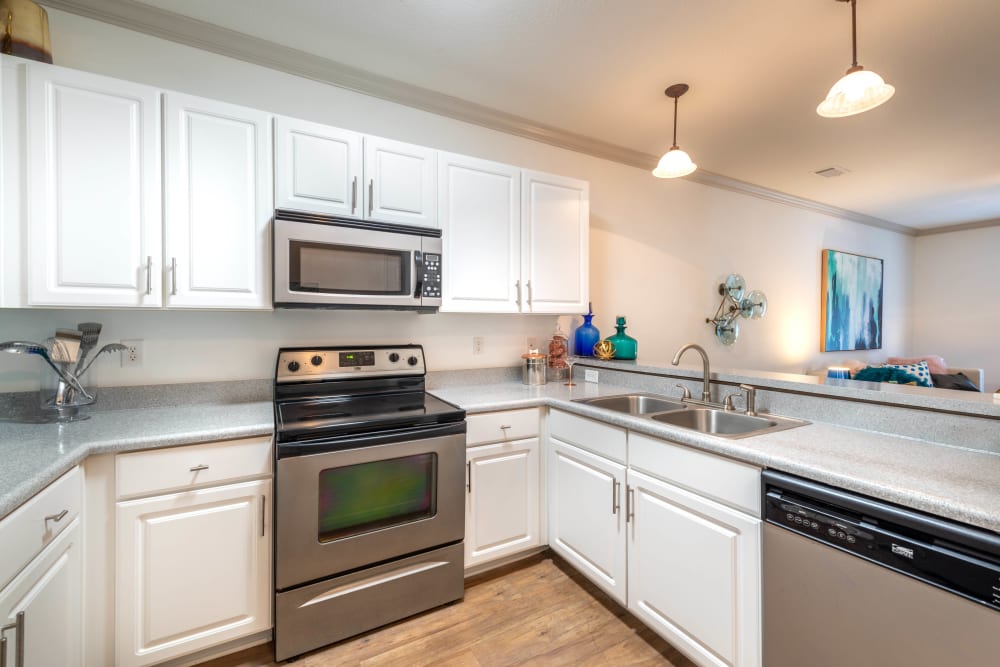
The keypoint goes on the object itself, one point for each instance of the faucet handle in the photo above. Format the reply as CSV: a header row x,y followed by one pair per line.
x,y
727,401
687,392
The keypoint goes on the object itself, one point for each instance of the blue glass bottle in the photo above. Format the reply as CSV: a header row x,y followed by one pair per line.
x,y
625,345
587,335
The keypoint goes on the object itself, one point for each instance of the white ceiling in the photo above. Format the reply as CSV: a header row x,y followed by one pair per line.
x,y
757,70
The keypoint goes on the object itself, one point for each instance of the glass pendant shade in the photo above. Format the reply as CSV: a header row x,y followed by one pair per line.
x,y
674,164
857,91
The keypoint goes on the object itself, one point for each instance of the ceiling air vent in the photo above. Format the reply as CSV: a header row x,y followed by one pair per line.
x,y
830,172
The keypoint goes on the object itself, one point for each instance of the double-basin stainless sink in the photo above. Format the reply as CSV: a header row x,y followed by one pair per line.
x,y
715,421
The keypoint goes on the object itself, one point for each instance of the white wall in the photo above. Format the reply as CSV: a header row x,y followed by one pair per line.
x,y
955,304
658,248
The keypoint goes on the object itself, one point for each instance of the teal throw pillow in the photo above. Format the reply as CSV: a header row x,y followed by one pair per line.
x,y
918,370
884,374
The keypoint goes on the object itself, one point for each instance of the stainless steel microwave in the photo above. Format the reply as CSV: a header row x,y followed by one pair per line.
x,y
329,262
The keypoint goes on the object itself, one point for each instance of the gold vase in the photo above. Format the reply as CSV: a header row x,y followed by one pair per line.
x,y
24,30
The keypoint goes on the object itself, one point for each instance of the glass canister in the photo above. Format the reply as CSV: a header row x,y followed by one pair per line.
x,y
625,345
586,335
533,368
558,369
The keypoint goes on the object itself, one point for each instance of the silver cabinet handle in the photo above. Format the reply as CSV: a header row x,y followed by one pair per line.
x,y
199,468
529,294
629,504
468,476
173,276
371,196
18,627
149,274
56,517
615,503
505,428
518,285
263,513
354,195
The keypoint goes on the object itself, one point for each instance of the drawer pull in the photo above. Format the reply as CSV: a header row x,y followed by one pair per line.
x,y
56,517
18,627
505,428
199,468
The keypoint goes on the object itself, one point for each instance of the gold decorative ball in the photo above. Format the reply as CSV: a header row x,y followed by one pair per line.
x,y
605,350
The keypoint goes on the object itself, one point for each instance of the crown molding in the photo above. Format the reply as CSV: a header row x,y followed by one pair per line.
x,y
174,27
965,226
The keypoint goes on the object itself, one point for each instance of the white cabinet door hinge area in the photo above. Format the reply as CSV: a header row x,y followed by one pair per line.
x,y
93,159
219,201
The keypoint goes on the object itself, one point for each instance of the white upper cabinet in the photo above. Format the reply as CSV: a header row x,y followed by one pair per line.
x,y
481,231
400,182
317,168
555,219
218,204
93,165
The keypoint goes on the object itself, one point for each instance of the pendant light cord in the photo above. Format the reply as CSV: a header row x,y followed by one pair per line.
x,y
675,122
854,33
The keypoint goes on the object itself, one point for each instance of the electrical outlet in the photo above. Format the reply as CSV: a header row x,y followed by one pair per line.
x,y
477,345
532,343
132,355
590,376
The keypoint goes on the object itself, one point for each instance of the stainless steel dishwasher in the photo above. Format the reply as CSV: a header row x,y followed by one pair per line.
x,y
853,581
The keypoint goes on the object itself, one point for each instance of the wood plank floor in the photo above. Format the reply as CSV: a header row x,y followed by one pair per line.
x,y
535,612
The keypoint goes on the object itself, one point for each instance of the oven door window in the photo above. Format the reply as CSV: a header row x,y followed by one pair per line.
x,y
369,496
342,269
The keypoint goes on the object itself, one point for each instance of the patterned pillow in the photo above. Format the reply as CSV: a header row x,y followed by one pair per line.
x,y
918,370
884,374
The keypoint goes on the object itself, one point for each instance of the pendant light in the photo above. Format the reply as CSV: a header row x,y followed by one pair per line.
x,y
675,162
859,89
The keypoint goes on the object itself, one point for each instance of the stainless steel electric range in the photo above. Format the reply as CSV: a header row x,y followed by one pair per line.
x,y
369,500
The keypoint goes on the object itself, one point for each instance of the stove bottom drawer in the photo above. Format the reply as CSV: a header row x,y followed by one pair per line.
x,y
325,612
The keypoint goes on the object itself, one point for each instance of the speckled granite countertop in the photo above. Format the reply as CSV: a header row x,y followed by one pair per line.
x,y
948,481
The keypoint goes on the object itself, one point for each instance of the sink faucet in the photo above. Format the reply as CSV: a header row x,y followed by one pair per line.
x,y
705,393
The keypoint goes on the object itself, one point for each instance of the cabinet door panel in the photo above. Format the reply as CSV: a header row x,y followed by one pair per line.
x,y
317,168
555,215
694,573
481,229
587,515
400,182
94,191
502,511
219,203
50,594
193,571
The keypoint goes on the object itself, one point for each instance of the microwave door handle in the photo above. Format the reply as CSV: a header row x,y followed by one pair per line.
x,y
418,268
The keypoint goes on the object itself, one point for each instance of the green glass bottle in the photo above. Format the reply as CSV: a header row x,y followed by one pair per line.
x,y
625,345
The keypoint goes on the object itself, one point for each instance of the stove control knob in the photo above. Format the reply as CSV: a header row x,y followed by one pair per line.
x,y
412,361
293,366
393,357
316,360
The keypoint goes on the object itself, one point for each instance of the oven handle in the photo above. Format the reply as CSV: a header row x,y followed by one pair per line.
x,y
323,446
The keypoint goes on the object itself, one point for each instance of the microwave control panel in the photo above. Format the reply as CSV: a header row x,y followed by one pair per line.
x,y
432,275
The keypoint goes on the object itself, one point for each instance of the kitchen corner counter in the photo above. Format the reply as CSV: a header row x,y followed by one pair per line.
x,y
34,455
947,481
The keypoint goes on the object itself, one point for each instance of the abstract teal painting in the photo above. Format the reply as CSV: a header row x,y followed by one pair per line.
x,y
852,302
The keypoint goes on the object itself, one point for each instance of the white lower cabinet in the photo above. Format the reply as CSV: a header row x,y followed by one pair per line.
x,y
193,566
587,515
41,610
501,510
694,572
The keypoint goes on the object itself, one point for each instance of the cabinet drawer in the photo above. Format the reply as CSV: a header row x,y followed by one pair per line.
x,y
178,468
500,426
728,482
594,436
33,525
